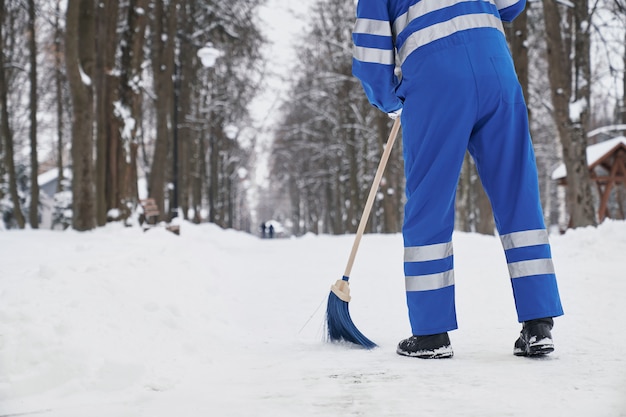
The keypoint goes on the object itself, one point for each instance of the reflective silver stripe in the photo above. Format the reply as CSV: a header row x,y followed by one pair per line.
x,y
529,268
441,30
372,27
430,282
503,4
420,9
525,238
428,252
424,7
375,55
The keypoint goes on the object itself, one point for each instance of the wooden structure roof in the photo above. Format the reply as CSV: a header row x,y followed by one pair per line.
x,y
607,167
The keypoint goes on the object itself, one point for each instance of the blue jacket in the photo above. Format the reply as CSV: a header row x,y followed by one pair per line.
x,y
386,32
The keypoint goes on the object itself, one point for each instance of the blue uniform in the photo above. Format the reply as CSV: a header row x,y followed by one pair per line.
x,y
447,66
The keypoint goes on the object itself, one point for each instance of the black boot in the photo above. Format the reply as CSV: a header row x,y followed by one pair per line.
x,y
535,338
434,346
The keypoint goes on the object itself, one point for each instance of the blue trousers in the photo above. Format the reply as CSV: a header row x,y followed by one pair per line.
x,y
461,93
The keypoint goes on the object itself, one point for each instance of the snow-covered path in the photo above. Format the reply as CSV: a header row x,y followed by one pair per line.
x,y
117,322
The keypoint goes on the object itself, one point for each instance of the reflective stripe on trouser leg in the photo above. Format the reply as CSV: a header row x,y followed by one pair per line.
x,y
429,280
532,274
505,160
437,121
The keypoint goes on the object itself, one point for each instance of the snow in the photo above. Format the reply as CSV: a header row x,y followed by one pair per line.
x,y
86,79
49,175
121,323
567,3
231,131
606,129
576,109
123,112
594,154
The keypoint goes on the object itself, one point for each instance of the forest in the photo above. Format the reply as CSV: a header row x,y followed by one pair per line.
x,y
106,103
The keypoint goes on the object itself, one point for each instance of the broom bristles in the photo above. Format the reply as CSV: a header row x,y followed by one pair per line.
x,y
340,326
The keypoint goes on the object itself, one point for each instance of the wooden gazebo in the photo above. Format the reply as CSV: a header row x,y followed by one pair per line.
x,y
607,167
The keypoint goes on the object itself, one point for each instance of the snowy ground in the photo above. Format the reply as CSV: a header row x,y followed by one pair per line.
x,y
120,323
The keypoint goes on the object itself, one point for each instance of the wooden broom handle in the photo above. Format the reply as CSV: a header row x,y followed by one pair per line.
x,y
370,198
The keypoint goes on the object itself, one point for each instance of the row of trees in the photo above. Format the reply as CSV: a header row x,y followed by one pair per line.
x,y
330,139
327,147
125,89
121,90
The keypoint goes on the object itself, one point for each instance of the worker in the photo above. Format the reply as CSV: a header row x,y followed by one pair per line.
x,y
444,68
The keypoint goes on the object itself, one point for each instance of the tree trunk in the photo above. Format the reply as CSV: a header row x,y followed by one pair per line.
x,y
2,160
388,210
80,59
396,176
130,101
474,213
230,192
58,80
623,109
34,163
163,40
197,184
517,34
389,186
107,140
187,74
213,176
338,202
463,205
485,223
6,131
353,189
223,195
571,127
2,104
582,62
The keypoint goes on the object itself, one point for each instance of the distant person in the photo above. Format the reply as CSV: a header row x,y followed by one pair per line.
x,y
444,67
263,230
271,231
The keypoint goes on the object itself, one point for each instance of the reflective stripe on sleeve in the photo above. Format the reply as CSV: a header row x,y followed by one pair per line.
x,y
524,238
375,55
430,282
424,7
441,30
372,27
428,252
530,268
418,10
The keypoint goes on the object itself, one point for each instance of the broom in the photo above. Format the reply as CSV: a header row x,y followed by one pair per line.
x,y
338,322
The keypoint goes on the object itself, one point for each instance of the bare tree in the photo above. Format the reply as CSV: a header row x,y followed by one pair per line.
x,y
6,128
162,54
391,185
104,52
129,112
34,163
620,6
570,78
212,106
80,61
59,84
517,35
330,140
107,136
